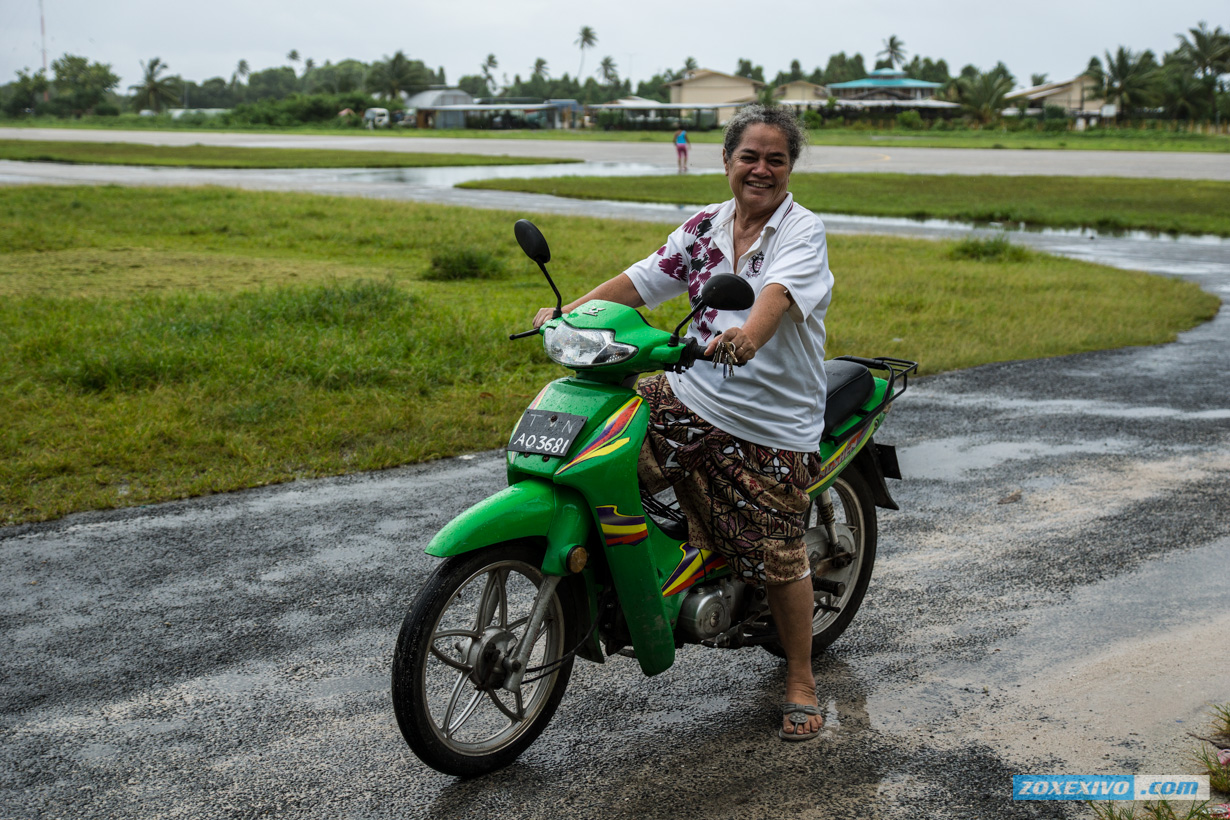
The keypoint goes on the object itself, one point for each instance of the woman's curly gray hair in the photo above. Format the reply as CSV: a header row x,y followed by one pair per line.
x,y
783,119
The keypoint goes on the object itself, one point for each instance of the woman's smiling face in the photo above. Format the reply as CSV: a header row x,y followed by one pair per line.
x,y
759,170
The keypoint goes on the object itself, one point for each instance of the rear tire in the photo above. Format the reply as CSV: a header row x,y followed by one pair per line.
x,y
856,525
447,666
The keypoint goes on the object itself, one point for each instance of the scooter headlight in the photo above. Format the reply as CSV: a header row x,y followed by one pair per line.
x,y
584,347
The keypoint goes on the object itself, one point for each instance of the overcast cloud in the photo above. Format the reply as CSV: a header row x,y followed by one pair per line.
x,y
207,39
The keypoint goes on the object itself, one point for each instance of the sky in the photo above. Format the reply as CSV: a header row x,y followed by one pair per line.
x,y
207,39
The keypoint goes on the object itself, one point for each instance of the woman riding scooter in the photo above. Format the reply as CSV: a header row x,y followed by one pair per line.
x,y
739,444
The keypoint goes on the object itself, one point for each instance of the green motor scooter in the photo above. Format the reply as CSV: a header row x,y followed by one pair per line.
x,y
573,559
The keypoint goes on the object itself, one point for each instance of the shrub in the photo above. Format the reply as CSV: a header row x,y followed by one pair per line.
x,y
106,109
296,109
812,119
464,263
910,121
993,249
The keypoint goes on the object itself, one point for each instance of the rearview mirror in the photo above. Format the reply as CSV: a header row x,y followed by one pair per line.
x,y
725,291
532,241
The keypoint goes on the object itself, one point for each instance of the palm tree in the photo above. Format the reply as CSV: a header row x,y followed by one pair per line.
x,y
241,71
690,64
391,77
540,68
607,70
154,90
1180,92
1126,80
293,55
1209,54
894,50
587,38
490,64
982,96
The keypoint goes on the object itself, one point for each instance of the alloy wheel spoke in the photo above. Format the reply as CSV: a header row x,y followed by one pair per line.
x,y
460,666
515,716
458,687
488,601
504,598
469,709
452,720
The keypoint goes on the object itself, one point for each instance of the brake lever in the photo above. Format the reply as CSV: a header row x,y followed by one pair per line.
x,y
524,334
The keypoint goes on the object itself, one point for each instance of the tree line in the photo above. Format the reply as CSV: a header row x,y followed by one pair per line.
x,y
1184,84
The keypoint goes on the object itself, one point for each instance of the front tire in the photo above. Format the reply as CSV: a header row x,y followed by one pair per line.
x,y
448,691
848,564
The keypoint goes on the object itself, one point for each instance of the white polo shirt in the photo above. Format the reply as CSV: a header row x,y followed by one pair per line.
x,y
776,399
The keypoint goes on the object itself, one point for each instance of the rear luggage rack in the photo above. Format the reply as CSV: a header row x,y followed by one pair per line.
x,y
894,368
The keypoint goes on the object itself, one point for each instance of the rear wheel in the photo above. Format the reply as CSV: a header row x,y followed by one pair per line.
x,y
451,662
841,571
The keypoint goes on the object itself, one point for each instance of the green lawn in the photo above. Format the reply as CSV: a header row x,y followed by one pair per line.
x,y
1106,203
163,343
212,156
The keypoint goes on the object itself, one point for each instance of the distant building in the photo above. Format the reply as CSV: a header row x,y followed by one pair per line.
x,y
889,84
642,111
800,92
706,87
176,113
425,106
1074,96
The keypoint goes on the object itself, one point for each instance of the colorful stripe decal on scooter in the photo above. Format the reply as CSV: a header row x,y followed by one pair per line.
x,y
608,440
538,398
696,564
835,461
619,529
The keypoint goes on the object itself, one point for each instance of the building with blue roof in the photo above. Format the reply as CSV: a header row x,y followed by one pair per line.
x,y
885,84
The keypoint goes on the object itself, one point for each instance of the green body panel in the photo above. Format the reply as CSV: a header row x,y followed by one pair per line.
x,y
523,510
601,468
836,455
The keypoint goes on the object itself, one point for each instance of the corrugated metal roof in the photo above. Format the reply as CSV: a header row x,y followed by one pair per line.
x,y
433,97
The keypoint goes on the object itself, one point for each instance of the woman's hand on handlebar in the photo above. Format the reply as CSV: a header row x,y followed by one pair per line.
x,y
543,315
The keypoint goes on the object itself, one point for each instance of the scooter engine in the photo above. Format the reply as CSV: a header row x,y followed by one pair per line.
x,y
706,612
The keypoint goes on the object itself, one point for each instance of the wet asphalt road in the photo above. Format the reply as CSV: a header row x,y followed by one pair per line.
x,y
894,155
1050,599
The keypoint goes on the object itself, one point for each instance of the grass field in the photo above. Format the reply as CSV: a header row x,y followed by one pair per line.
x,y
1105,203
213,156
1103,139
174,342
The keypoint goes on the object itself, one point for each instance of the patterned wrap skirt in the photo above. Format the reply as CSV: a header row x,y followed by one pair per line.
x,y
744,501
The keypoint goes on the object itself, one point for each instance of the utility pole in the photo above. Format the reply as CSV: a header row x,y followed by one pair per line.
x,y
42,25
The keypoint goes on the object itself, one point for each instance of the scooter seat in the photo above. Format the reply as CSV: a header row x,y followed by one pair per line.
x,y
850,384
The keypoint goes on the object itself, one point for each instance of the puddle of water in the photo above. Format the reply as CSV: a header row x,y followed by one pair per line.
x,y
1067,407
1111,679
1165,594
449,176
952,458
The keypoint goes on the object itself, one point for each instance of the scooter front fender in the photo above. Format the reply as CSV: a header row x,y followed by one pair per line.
x,y
527,509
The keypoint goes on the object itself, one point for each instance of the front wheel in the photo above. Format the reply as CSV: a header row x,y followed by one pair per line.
x,y
841,571
449,667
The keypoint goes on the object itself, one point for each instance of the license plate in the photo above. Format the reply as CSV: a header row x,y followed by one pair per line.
x,y
546,432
